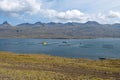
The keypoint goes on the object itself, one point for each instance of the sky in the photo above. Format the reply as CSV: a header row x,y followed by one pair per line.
x,y
59,11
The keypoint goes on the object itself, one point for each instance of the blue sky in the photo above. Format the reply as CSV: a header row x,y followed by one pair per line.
x,y
21,11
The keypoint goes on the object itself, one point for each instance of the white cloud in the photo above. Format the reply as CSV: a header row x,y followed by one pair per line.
x,y
78,16
99,17
67,16
114,14
19,6
31,8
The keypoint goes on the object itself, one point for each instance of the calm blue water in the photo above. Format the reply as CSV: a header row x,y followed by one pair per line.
x,y
73,48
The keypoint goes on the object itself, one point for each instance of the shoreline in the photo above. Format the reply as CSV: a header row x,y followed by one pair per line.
x,y
38,54
61,38
49,38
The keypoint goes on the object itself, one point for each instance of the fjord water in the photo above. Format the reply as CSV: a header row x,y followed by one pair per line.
x,y
73,48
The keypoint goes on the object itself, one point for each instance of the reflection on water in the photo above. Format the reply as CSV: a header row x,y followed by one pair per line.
x,y
75,48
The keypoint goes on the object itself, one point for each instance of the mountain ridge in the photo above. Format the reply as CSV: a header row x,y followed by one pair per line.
x,y
90,29
39,23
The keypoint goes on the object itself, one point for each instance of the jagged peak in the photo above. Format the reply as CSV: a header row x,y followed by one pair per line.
x,y
91,22
6,23
38,23
52,23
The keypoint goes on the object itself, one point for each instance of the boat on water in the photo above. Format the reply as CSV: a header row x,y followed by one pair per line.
x,y
64,42
108,46
44,43
81,45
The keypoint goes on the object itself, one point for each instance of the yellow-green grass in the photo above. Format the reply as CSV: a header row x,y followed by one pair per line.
x,y
44,67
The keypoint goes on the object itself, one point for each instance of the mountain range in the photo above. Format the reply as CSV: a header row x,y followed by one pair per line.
x,y
90,29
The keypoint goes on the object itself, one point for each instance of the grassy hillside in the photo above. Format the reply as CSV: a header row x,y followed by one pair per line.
x,y
43,67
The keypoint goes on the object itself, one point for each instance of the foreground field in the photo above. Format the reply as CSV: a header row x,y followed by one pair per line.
x,y
43,67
